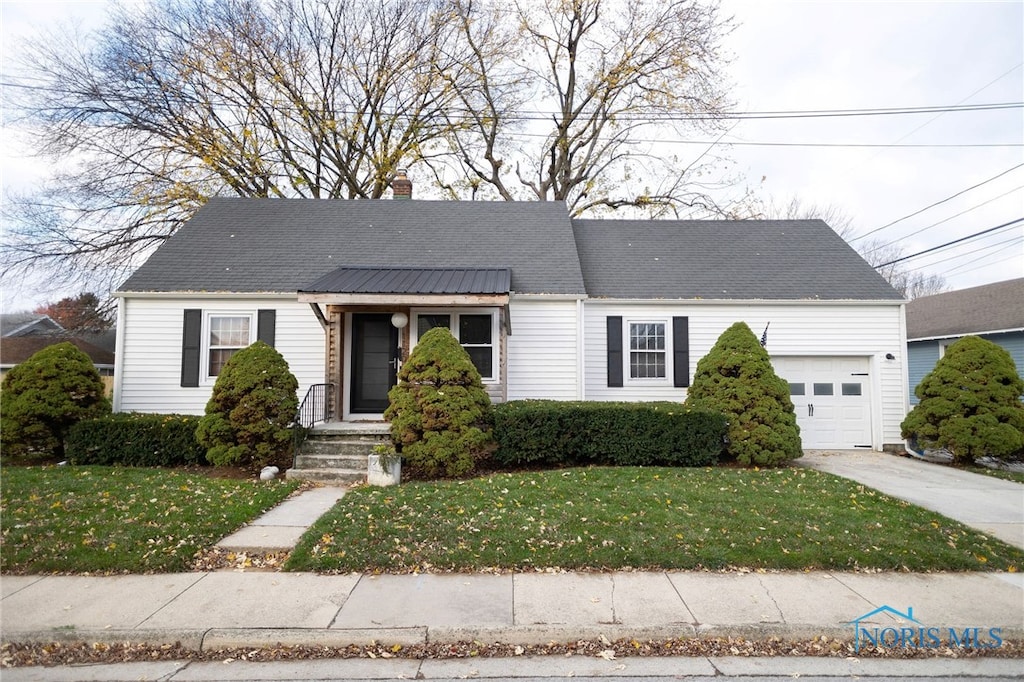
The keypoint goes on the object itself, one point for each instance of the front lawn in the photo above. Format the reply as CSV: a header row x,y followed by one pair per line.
x,y
120,520
644,518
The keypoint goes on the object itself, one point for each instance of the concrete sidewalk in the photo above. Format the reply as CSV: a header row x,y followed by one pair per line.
x,y
992,505
211,611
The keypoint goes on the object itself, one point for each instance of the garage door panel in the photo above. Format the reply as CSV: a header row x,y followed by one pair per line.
x,y
831,399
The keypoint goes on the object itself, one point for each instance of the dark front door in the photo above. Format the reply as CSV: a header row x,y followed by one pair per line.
x,y
374,348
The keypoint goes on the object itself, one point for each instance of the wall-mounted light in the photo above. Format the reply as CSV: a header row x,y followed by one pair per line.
x,y
399,320
888,356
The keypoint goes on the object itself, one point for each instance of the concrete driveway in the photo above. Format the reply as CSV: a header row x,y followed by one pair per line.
x,y
991,505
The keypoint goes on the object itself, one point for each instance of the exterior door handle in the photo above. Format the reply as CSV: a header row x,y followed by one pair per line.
x,y
810,409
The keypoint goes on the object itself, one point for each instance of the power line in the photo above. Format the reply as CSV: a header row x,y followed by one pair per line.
x,y
541,115
948,244
944,220
983,265
1015,238
852,145
911,215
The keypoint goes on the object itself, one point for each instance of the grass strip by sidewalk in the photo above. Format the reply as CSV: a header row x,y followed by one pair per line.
x,y
120,520
643,518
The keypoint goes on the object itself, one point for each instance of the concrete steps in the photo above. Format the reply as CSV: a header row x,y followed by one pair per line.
x,y
336,452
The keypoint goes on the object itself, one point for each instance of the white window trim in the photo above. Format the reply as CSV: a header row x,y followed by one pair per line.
x,y
204,361
453,313
627,373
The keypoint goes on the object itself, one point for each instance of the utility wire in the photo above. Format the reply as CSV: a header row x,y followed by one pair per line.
x,y
911,215
1014,238
944,220
948,244
958,269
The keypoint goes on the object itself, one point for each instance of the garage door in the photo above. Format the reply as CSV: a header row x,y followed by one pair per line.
x,y
832,400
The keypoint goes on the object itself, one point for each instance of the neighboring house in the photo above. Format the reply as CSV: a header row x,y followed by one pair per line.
x,y
546,306
27,324
17,349
993,311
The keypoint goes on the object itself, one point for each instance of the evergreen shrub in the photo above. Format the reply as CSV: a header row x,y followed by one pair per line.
x,y
736,378
250,414
440,413
43,397
131,439
970,403
556,433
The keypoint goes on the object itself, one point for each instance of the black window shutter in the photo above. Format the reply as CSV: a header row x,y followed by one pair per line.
x,y
191,346
265,326
681,351
614,351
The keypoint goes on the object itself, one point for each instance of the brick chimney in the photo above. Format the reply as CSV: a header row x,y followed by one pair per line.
x,y
401,186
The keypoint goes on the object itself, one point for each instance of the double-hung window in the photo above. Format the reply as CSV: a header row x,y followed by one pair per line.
x,y
475,331
227,334
647,350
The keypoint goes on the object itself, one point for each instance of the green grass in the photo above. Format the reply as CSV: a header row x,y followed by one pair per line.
x,y
1016,476
644,518
120,520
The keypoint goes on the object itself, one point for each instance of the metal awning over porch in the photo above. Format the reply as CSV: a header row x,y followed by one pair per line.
x,y
411,286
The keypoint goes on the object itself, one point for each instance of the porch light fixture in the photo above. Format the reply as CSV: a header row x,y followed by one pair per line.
x,y
399,320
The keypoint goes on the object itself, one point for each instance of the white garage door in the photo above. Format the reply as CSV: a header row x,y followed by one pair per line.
x,y
832,400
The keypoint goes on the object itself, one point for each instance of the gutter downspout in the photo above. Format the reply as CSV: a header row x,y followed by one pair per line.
x,y
122,306
581,362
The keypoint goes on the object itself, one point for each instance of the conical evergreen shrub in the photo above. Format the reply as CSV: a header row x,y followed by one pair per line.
x,y
440,414
44,396
970,403
249,416
736,378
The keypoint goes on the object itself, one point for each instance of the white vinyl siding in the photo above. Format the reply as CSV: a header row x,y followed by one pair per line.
x,y
812,329
542,359
150,352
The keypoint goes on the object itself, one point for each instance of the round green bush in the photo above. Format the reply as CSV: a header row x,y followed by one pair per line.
x,y
249,416
43,397
736,378
440,414
970,403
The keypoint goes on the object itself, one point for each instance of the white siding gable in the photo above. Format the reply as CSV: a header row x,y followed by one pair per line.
x,y
800,329
150,348
542,358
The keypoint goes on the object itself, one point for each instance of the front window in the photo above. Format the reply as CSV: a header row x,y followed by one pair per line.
x,y
474,331
647,350
227,335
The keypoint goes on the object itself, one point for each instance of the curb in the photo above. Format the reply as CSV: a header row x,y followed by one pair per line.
x,y
215,639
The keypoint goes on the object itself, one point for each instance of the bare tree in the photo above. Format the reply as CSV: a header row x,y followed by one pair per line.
x,y
175,102
605,74
877,253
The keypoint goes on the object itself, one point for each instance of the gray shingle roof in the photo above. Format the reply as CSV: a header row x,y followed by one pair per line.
x,y
285,245
723,259
413,281
282,245
992,307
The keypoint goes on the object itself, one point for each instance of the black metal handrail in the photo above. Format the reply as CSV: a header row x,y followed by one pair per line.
x,y
315,407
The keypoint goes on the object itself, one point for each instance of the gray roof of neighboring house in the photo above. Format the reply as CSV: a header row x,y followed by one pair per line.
x,y
992,307
724,259
27,324
264,245
413,281
17,349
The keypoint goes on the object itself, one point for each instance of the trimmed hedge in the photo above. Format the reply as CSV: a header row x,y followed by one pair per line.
x,y
555,433
144,440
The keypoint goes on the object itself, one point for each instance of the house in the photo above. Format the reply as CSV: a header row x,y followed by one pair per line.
x,y
27,324
546,306
17,349
994,312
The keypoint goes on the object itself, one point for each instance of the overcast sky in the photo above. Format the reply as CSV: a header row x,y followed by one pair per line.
x,y
824,55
